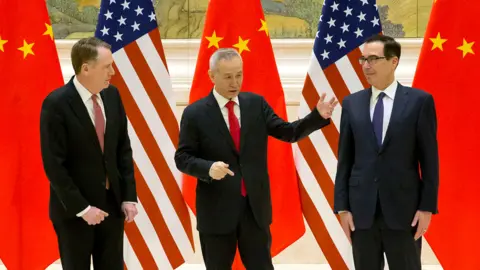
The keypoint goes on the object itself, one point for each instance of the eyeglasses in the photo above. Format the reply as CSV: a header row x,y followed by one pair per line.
x,y
372,60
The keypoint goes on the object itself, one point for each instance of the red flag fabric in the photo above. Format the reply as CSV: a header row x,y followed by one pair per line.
x,y
241,25
29,70
448,68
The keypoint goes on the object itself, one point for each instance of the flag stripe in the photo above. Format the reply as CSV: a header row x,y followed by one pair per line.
x,y
311,98
155,155
149,113
349,74
335,78
318,169
157,42
321,145
139,246
153,90
354,55
321,84
159,224
150,163
160,73
130,258
147,230
320,232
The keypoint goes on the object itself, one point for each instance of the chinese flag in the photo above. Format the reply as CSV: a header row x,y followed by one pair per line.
x,y
449,69
241,25
29,70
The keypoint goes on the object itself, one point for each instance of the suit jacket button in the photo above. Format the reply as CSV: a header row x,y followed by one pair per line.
x,y
376,179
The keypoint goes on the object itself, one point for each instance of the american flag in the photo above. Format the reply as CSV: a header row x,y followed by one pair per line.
x,y
161,235
334,69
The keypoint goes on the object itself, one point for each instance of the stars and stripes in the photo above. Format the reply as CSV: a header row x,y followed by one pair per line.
x,y
334,68
161,235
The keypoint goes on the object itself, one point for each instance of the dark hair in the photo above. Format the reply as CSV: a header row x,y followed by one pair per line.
x,y
391,47
86,49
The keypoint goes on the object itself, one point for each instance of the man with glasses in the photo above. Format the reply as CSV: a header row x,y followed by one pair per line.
x,y
387,136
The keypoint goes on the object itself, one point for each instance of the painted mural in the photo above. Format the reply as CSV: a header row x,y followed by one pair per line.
x,y
74,19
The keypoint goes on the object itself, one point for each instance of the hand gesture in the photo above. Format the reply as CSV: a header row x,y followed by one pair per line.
x,y
326,108
219,170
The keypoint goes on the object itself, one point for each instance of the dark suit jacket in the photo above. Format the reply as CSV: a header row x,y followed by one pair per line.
x,y
73,159
205,139
390,172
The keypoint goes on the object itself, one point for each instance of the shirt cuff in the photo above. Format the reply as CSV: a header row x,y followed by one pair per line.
x,y
135,203
84,211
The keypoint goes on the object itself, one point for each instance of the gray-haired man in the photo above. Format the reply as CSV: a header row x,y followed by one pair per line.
x,y
233,195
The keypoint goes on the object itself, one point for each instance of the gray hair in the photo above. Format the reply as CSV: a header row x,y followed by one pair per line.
x,y
222,54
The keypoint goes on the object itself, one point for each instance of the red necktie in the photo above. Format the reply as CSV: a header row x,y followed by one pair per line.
x,y
99,125
235,132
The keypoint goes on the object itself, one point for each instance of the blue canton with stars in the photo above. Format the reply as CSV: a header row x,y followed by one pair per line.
x,y
121,22
344,26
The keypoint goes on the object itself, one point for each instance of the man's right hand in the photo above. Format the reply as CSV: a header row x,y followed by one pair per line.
x,y
346,220
219,170
94,216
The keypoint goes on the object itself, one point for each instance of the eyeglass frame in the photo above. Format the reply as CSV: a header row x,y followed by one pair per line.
x,y
371,60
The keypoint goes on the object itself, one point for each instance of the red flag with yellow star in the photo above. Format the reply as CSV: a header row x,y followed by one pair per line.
x,y
29,70
241,25
448,68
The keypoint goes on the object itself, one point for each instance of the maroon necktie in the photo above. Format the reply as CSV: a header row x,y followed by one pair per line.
x,y
99,125
235,132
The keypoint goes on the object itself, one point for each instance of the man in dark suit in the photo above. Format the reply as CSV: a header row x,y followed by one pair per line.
x,y
88,160
223,143
387,134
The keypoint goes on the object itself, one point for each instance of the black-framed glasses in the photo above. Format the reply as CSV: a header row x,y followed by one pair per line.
x,y
372,59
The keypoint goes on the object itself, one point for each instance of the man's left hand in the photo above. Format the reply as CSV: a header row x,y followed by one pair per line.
x,y
423,219
130,211
326,108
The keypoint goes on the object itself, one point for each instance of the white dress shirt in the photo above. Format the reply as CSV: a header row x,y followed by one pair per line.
x,y
88,101
387,104
222,101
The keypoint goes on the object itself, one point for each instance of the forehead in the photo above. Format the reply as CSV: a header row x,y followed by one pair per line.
x,y
230,65
374,48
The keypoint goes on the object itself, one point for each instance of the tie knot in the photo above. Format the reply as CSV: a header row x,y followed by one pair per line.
x,y
381,95
230,105
94,98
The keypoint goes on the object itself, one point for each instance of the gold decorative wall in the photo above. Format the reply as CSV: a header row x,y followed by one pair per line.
x,y
74,19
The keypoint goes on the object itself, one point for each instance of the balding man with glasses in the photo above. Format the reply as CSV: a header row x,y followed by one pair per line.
x,y
387,136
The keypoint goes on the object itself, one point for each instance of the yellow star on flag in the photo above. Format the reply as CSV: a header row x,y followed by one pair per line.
x,y
2,42
49,31
26,49
264,27
213,40
438,42
242,45
466,48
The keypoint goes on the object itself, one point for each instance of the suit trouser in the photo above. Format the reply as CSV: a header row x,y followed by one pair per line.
x,y
79,242
253,244
400,247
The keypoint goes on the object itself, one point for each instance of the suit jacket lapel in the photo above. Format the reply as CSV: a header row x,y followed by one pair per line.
x,y
365,103
81,112
215,114
245,118
399,103
108,111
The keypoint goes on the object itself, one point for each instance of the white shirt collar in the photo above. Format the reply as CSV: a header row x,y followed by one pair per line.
x,y
389,91
222,101
85,95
